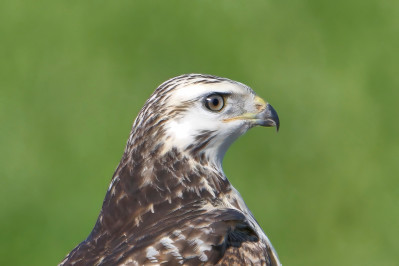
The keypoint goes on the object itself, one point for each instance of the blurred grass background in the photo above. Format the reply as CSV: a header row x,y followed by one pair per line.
x,y
73,76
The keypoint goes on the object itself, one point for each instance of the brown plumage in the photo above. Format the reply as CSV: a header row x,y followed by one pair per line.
x,y
169,201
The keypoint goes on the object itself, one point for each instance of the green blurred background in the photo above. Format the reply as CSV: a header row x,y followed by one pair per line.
x,y
73,76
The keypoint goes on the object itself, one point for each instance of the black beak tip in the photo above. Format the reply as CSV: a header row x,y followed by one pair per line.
x,y
272,115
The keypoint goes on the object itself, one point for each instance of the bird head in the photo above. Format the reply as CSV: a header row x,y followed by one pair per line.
x,y
203,115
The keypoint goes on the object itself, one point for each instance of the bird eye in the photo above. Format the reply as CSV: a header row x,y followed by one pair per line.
x,y
214,102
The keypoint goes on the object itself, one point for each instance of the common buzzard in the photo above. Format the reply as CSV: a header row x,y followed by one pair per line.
x,y
169,201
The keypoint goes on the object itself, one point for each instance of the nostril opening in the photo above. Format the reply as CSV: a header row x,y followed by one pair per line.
x,y
260,107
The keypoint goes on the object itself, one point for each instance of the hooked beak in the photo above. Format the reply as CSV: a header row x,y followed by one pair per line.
x,y
267,117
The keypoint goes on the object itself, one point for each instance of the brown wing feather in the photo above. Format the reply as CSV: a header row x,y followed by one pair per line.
x,y
221,237
249,253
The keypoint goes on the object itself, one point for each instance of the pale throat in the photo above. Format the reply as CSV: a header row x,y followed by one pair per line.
x,y
183,135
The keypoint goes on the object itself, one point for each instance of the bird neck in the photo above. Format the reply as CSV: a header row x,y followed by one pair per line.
x,y
144,184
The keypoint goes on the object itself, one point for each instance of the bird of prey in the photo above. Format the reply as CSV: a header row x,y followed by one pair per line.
x,y
169,202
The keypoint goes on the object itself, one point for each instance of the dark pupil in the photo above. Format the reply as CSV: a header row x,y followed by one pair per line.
x,y
215,101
